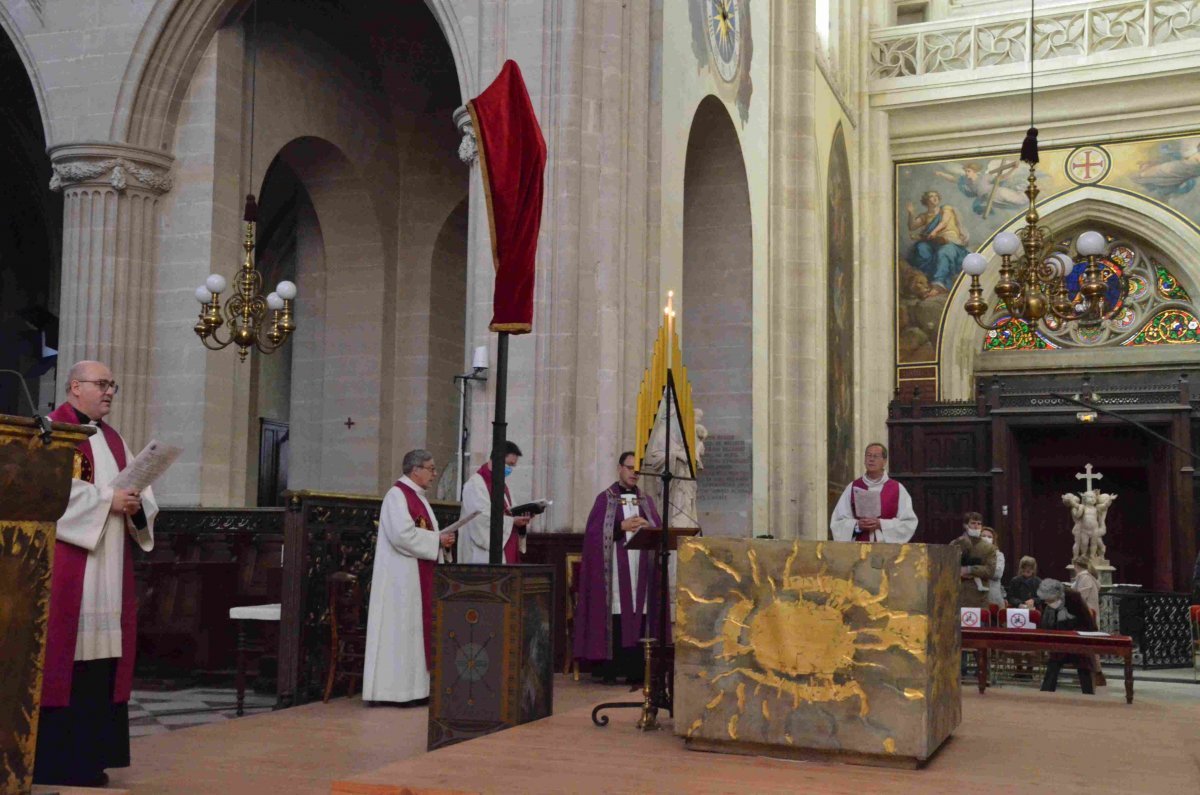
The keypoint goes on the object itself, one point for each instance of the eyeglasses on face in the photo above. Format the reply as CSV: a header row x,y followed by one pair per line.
x,y
103,384
429,468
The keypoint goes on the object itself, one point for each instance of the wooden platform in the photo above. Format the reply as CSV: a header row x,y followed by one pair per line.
x,y
1145,747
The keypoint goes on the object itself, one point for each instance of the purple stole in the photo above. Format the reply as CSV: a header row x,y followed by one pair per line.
x,y
512,552
66,591
889,504
416,509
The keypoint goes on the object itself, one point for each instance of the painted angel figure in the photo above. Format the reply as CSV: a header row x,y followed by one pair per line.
x,y
992,186
1175,171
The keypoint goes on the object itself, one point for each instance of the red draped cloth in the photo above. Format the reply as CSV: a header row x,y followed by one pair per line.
x,y
512,156
422,519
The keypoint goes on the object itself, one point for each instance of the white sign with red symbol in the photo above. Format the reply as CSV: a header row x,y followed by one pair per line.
x,y
1088,165
1018,618
972,617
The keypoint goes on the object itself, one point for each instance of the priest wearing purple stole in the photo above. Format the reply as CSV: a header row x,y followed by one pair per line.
x,y
618,587
92,628
874,508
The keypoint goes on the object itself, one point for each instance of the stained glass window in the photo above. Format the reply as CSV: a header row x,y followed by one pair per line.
x,y
1156,308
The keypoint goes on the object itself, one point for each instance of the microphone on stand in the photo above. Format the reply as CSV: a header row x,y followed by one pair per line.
x,y
41,421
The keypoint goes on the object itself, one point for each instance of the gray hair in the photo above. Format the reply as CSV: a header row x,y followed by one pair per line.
x,y
1050,590
415,458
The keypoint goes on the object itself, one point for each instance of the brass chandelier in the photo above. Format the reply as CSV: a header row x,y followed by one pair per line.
x,y
246,310
1045,284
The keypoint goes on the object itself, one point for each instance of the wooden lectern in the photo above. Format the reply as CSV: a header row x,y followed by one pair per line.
x,y
35,483
648,537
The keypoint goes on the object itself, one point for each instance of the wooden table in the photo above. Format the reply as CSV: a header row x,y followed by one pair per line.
x,y
1049,640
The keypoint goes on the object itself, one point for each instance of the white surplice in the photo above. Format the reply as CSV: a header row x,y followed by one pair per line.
x,y
891,531
629,509
394,669
475,537
90,522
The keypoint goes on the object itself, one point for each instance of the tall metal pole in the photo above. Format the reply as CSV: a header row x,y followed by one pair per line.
x,y
499,439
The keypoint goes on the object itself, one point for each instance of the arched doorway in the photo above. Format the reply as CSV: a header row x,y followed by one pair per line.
x,y
717,314
30,243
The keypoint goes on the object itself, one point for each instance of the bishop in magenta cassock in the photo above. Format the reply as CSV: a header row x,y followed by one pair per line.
x,y
618,587
475,540
92,628
896,521
400,617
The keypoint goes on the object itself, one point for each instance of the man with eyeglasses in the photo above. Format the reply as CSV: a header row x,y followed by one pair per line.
x,y
618,587
92,630
874,508
400,617
475,540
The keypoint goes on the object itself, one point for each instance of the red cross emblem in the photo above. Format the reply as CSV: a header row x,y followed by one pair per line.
x,y
1087,165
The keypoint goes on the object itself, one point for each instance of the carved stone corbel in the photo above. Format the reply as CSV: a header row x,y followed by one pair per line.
x,y
112,165
468,149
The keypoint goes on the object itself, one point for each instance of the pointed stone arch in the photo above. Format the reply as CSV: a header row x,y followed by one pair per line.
x,y
718,313
174,39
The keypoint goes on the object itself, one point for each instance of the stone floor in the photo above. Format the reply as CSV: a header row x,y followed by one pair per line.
x,y
157,712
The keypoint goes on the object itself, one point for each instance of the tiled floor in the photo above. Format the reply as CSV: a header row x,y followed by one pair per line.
x,y
157,712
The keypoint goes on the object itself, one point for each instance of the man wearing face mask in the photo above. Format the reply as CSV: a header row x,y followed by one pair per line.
x,y
1065,610
475,538
978,562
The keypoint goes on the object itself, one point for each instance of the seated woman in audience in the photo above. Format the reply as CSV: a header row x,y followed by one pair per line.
x,y
1022,589
995,590
1064,609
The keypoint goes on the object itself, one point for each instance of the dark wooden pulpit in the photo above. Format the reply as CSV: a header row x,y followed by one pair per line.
x,y
35,483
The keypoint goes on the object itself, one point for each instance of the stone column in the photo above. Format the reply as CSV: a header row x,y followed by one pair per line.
x,y
110,231
480,282
796,501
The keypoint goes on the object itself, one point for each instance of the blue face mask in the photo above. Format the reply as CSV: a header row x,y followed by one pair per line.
x,y
507,470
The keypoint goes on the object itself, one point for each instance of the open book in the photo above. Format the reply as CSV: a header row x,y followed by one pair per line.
x,y
531,508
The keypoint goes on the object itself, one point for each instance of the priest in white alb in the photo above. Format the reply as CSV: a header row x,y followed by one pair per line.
x,y
400,617
92,628
874,508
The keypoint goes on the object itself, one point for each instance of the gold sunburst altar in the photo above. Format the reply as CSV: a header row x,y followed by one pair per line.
x,y
789,648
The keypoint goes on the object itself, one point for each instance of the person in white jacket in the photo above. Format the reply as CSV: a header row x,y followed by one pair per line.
x,y
474,540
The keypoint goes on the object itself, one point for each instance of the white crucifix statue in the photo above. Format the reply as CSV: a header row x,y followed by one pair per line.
x,y
1088,510
1088,475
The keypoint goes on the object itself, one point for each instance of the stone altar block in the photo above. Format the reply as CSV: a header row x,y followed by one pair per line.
x,y
814,648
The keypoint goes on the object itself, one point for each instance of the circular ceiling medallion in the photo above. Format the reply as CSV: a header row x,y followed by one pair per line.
x,y
723,23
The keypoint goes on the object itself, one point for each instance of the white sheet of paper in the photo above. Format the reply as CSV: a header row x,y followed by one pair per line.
x,y
970,617
867,504
1093,634
461,521
1018,618
146,466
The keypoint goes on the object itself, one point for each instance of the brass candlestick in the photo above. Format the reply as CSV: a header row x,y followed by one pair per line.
x,y
649,719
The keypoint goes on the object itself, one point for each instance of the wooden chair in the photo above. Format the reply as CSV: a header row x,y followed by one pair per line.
x,y
572,561
347,635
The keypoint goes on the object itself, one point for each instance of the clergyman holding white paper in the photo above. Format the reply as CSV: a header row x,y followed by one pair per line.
x,y
874,508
